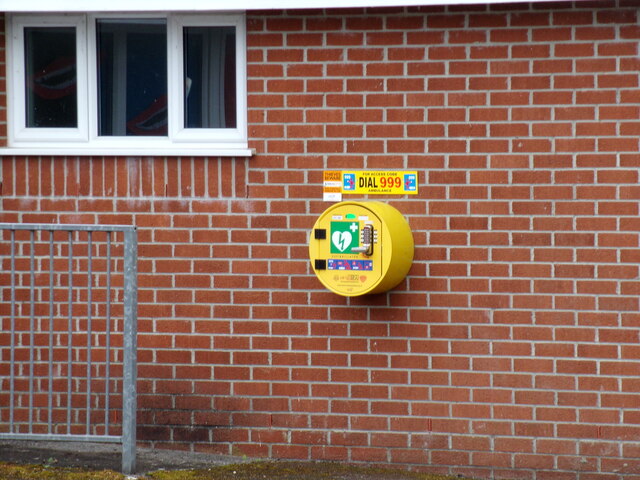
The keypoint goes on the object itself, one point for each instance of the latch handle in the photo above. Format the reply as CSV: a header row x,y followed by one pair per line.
x,y
367,241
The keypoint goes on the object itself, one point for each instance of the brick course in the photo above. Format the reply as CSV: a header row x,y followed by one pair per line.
x,y
510,350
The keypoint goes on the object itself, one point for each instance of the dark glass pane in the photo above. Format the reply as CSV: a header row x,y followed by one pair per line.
x,y
50,75
132,77
210,83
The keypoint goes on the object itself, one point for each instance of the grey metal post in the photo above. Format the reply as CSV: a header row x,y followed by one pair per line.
x,y
32,316
50,398
107,374
13,331
130,346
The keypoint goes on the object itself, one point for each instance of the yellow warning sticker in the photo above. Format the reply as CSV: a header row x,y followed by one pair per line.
x,y
370,182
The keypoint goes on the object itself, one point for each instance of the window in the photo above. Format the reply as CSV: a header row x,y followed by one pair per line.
x,y
127,84
132,77
50,76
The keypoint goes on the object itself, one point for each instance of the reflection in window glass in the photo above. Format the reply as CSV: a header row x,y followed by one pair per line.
x,y
210,83
50,75
132,77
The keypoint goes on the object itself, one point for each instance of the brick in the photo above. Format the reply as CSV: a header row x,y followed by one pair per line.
x,y
323,23
404,23
343,39
523,296
554,67
468,68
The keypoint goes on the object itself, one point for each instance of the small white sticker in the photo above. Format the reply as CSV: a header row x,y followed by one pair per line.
x,y
332,184
332,196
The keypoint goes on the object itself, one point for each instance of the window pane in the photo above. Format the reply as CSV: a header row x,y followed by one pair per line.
x,y
210,83
50,75
132,77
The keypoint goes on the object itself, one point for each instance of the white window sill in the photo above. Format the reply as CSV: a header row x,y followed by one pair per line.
x,y
178,151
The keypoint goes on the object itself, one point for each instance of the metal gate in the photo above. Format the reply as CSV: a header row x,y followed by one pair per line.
x,y
68,312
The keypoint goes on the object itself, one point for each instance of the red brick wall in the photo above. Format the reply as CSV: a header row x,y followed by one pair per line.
x,y
511,348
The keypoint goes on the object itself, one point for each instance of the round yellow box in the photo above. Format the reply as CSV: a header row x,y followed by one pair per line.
x,y
359,248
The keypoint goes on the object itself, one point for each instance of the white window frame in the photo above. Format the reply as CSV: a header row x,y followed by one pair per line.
x,y
16,88
177,75
84,140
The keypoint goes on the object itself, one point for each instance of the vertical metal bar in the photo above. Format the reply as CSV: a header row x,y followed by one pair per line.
x,y
50,402
89,306
108,339
32,327
70,332
129,358
12,359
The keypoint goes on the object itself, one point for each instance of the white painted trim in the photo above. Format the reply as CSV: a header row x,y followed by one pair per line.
x,y
218,5
174,151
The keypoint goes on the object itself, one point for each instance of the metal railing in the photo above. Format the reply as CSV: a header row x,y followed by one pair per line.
x,y
68,313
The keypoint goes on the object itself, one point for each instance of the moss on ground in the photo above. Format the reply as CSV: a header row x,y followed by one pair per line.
x,y
292,471
9,471
265,470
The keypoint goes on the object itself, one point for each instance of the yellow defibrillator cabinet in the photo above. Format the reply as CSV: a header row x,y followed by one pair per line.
x,y
357,248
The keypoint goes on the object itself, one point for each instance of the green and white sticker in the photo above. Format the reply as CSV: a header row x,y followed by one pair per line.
x,y
344,236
